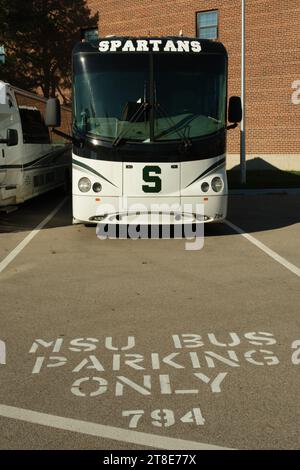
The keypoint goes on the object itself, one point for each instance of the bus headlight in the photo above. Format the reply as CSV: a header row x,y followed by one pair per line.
x,y
97,187
204,187
84,185
217,184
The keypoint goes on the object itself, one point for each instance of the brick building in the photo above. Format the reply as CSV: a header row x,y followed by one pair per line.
x,y
272,60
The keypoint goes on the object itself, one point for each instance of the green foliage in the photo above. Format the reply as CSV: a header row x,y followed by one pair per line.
x,y
38,36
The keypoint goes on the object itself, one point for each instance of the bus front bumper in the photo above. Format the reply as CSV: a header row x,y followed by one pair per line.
x,y
172,210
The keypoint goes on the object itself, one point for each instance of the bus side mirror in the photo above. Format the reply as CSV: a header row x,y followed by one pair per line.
x,y
52,114
235,112
12,137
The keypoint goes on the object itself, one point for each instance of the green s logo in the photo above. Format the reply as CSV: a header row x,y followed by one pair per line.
x,y
149,176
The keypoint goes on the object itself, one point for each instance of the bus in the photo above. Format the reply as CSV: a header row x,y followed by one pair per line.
x,y
31,161
150,119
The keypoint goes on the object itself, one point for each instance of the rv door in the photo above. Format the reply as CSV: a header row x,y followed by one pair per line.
x,y
5,114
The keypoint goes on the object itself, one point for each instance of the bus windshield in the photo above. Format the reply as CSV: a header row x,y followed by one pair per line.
x,y
190,95
112,96
106,87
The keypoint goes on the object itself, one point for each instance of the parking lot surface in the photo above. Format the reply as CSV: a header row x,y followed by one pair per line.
x,y
131,344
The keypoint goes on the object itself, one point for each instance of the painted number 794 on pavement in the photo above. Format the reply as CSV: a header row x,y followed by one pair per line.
x,y
163,418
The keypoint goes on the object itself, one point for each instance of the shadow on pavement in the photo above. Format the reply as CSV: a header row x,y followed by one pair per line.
x,y
263,175
253,213
259,213
32,212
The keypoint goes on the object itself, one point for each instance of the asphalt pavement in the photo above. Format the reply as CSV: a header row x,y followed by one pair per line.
x,y
136,344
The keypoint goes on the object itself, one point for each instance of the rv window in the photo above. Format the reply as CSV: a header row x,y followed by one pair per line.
x,y
10,100
33,126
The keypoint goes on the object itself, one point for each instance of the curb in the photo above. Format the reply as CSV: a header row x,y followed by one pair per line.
x,y
270,192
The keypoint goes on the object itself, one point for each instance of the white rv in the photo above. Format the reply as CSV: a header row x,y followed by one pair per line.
x,y
30,163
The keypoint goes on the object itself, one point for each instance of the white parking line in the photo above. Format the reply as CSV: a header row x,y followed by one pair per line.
x,y
103,431
291,267
12,255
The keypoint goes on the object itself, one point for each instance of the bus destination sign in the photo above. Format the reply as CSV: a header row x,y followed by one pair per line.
x,y
149,45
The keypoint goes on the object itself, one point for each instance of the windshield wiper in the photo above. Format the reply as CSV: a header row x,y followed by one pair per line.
x,y
134,118
78,134
157,106
173,126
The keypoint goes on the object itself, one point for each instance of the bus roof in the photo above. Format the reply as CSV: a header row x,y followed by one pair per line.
x,y
157,44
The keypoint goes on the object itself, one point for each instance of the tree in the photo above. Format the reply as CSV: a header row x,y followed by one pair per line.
x,y
38,36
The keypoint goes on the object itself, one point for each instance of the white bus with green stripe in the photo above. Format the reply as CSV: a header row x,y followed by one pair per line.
x,y
31,163
150,119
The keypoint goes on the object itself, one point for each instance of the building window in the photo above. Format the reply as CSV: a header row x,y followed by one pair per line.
x,y
207,24
89,34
